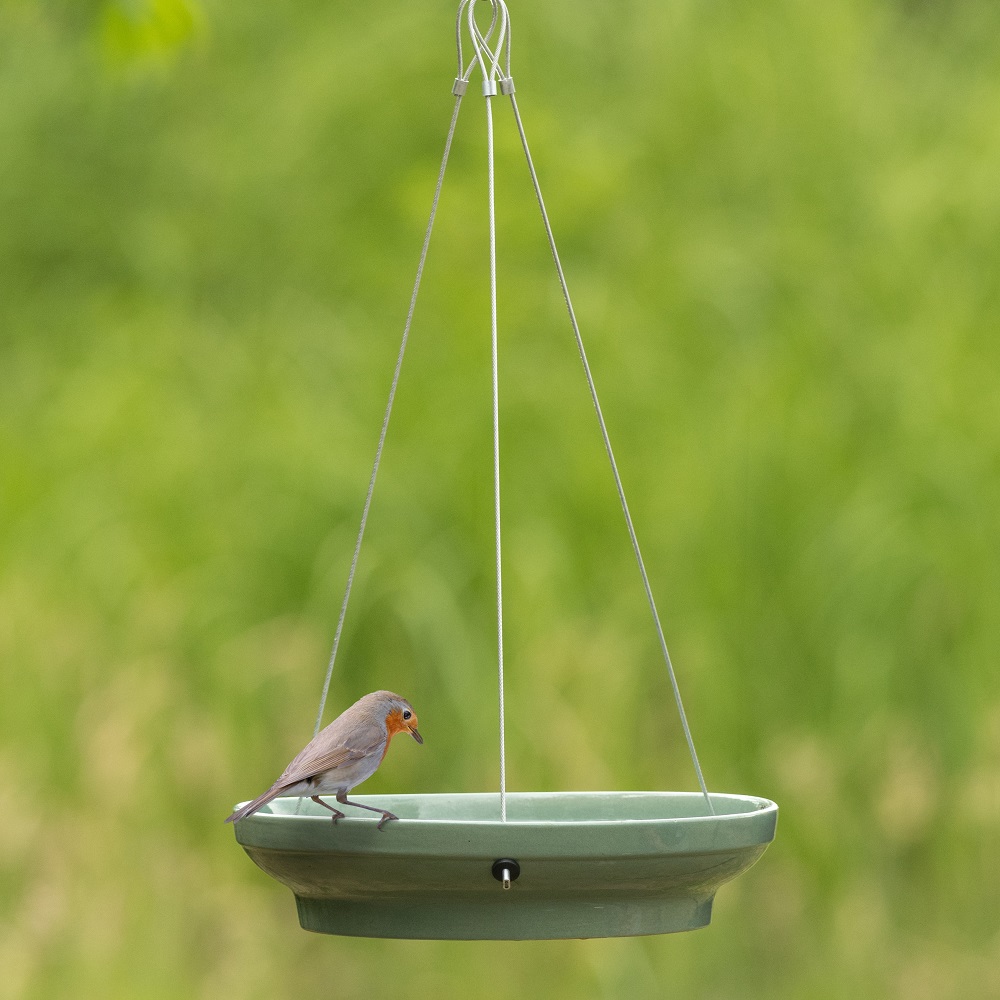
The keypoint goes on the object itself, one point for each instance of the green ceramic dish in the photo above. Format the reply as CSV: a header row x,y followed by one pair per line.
x,y
592,864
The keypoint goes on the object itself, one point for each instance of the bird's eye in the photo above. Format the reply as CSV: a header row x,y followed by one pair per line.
x,y
407,715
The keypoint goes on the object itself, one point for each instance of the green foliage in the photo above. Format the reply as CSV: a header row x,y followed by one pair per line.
x,y
154,31
780,224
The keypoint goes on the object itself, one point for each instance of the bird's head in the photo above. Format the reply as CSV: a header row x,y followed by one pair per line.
x,y
400,718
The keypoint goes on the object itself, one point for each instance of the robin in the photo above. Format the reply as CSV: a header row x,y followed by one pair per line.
x,y
344,754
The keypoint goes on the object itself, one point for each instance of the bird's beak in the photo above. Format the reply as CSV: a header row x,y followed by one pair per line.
x,y
416,735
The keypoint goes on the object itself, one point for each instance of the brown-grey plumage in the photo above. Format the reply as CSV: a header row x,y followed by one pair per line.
x,y
342,755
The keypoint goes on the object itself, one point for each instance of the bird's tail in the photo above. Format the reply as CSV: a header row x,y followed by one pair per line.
x,y
252,807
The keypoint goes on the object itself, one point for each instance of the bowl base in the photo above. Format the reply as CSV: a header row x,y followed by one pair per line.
x,y
505,919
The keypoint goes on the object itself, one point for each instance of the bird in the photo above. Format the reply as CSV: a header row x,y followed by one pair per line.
x,y
342,755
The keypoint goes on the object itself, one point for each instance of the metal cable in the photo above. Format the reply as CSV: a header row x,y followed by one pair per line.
x,y
481,46
489,62
496,447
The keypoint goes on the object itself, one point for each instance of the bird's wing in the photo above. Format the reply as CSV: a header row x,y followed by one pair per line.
x,y
322,754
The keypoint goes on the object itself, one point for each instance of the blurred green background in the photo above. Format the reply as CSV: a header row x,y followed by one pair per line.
x,y
781,227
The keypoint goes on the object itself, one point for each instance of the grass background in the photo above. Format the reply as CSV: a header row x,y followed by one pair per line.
x,y
781,227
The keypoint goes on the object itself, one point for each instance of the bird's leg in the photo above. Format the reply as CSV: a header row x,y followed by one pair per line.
x,y
386,815
336,812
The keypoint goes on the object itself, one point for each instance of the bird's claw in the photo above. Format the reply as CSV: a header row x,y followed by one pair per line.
x,y
385,816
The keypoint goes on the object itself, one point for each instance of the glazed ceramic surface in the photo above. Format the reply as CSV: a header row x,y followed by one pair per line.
x,y
592,864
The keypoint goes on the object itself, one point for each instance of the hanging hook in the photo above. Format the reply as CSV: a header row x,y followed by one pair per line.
x,y
487,55
481,43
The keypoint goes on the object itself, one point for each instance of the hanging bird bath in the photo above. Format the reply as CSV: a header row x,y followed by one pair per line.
x,y
526,864
591,864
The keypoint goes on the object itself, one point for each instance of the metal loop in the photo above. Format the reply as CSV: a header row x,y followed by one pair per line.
x,y
487,54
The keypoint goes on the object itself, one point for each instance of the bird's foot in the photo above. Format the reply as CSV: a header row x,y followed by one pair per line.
x,y
385,816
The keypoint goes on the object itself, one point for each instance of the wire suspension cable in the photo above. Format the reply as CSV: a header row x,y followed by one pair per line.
x,y
488,60
388,409
491,75
496,446
608,449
